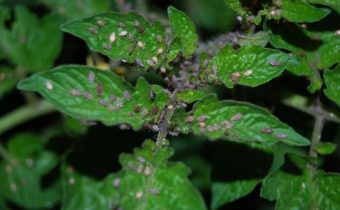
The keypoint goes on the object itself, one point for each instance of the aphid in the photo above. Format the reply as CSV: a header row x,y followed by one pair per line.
x,y
127,95
189,119
170,106
123,33
71,181
111,107
154,60
160,51
141,159
107,46
102,102
239,18
248,72
147,171
337,32
140,44
13,187
124,127
122,25
154,191
139,62
75,92
91,77
236,117
112,37
139,195
136,108
267,130
214,68
112,98
210,128
235,76
281,135
202,124
99,89
144,112
100,23
159,38
49,86
93,30
163,70
226,124
88,96
116,182
154,110
274,63
150,62
136,23
201,118
155,127
119,103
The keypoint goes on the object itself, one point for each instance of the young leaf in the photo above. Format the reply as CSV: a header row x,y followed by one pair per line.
x,y
20,177
332,78
174,49
236,121
92,94
191,95
225,192
72,9
31,43
235,5
249,66
334,4
260,38
8,80
122,36
146,181
300,11
301,192
185,29
325,148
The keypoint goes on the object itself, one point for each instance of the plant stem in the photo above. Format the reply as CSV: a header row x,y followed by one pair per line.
x,y
316,137
163,125
24,114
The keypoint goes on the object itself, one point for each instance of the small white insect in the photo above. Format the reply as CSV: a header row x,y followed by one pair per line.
x,y
140,44
248,72
71,181
91,77
116,182
170,107
147,171
163,70
102,102
88,96
236,117
119,102
337,32
160,51
75,92
123,33
141,159
49,85
139,195
281,135
189,119
112,37
154,59
100,23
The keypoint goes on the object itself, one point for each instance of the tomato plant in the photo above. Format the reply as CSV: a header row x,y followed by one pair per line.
x,y
228,104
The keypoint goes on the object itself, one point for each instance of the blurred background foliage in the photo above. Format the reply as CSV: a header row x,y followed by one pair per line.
x,y
93,149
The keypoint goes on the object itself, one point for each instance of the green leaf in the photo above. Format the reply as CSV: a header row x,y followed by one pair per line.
x,y
260,38
72,9
31,43
20,177
334,4
236,121
325,148
8,80
332,78
184,28
299,11
146,181
128,37
330,51
235,5
249,66
191,95
226,192
174,49
92,94
300,192
25,144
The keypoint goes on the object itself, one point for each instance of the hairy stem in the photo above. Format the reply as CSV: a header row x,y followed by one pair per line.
x,y
163,125
316,136
24,114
